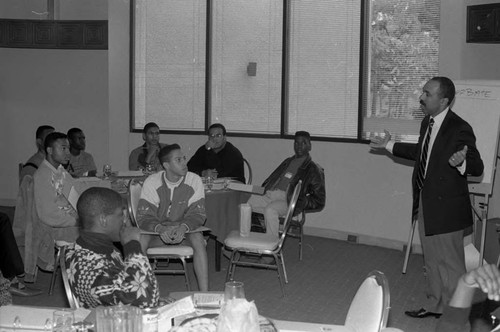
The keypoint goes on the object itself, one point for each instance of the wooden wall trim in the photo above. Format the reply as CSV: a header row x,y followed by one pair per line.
x,y
54,34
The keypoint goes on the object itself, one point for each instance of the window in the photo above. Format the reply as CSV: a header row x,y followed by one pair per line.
x,y
246,65
404,46
339,69
324,68
169,63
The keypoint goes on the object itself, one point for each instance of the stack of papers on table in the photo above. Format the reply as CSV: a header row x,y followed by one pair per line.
x,y
130,174
32,318
246,188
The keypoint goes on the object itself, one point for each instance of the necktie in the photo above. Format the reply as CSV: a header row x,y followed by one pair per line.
x,y
423,158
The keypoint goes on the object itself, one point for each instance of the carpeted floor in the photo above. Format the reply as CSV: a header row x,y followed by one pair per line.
x,y
320,287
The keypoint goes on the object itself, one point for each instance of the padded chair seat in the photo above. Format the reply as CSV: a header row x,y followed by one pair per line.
x,y
62,243
255,241
171,250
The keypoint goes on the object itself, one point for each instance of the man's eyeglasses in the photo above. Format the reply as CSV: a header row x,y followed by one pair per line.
x,y
215,136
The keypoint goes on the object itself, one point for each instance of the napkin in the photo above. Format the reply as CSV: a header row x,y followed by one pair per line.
x,y
238,315
245,219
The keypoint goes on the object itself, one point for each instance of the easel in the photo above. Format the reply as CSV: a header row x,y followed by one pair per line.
x,y
477,102
481,216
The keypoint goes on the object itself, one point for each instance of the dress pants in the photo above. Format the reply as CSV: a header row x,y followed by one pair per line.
x,y
11,263
272,205
444,264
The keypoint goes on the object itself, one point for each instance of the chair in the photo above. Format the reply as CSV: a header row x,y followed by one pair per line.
x,y
296,229
73,302
166,252
58,246
19,170
369,309
249,170
24,227
261,244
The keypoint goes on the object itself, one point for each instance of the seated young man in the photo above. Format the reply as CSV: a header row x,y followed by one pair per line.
x,y
172,203
280,184
58,218
455,316
97,272
81,163
146,155
218,156
35,160
11,263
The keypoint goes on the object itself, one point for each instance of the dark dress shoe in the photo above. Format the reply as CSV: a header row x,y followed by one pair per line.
x,y
422,313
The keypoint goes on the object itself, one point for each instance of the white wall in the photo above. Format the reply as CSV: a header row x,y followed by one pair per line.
x,y
367,194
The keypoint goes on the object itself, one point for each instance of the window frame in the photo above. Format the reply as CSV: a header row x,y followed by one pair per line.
x,y
363,78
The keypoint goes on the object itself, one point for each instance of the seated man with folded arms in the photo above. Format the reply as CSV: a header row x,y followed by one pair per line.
x,y
218,156
58,218
280,184
81,163
147,154
11,263
456,315
98,273
35,160
172,204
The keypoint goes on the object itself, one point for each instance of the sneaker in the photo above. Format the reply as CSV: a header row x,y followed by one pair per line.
x,y
19,289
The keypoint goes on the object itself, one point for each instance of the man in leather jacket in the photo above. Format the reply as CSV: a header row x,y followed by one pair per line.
x,y
280,184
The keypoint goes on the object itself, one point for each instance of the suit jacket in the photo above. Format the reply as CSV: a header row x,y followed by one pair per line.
x,y
445,193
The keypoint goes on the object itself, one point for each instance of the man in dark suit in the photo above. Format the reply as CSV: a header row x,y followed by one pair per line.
x,y
444,155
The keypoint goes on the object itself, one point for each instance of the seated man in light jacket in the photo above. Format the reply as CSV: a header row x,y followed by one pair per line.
x,y
58,219
172,204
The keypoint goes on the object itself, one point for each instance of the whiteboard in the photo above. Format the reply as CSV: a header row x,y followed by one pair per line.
x,y
478,102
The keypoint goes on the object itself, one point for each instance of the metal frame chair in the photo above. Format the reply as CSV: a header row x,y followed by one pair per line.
x,y
249,179
369,309
58,246
166,252
296,229
72,300
261,244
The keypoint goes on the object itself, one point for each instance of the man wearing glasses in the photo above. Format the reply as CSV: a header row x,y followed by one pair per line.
x,y
218,157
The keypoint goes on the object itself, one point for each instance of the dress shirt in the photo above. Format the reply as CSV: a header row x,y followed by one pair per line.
x,y
438,121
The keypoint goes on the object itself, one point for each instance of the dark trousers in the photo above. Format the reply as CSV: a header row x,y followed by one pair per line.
x,y
11,263
444,261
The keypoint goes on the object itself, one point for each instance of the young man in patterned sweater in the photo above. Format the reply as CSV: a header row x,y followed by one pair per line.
x,y
97,272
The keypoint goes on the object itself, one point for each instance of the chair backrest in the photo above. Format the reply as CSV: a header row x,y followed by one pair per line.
x,y
19,170
134,194
249,170
289,213
24,224
369,309
73,302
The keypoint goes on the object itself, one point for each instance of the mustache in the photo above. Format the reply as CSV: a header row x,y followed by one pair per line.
x,y
422,103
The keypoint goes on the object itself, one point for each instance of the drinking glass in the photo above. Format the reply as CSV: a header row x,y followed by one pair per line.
x,y
150,169
234,290
106,170
17,323
63,320
226,183
121,318
210,183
